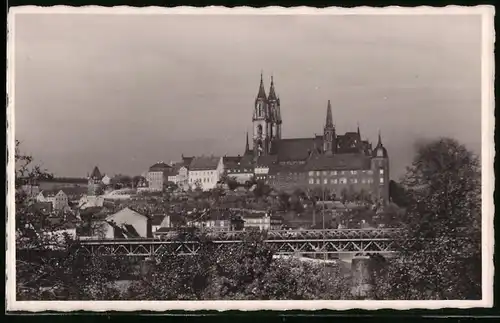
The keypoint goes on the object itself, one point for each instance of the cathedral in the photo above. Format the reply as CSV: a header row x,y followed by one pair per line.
x,y
340,162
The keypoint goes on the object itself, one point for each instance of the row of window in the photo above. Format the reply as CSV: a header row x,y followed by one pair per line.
x,y
342,172
344,181
202,180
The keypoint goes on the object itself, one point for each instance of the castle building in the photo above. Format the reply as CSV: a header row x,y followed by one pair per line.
x,y
342,163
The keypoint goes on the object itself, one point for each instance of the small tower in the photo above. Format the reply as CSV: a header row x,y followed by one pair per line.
x,y
329,132
260,122
380,168
247,147
95,182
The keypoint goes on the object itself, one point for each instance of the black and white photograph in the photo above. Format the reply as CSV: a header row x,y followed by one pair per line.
x,y
271,158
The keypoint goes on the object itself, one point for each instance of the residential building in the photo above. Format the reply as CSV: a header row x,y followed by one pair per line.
x,y
239,168
58,198
262,221
157,176
180,173
106,180
205,172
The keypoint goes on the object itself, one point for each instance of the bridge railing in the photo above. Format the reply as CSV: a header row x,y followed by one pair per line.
x,y
272,235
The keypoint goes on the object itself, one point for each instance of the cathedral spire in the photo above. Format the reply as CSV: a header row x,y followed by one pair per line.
x,y
272,92
247,146
379,143
359,132
262,91
329,118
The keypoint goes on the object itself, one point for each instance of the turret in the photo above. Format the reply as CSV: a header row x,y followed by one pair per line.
x,y
380,168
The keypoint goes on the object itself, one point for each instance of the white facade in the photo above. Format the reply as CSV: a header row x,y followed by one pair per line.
x,y
59,201
207,178
106,180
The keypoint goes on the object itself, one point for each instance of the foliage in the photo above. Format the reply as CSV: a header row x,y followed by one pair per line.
x,y
442,257
244,271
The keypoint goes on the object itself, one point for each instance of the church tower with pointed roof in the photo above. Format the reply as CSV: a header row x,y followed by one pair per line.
x,y
261,120
329,144
274,113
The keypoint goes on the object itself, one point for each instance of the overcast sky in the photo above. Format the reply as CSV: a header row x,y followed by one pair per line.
x,y
123,92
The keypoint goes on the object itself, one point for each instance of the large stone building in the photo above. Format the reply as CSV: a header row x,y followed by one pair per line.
x,y
341,163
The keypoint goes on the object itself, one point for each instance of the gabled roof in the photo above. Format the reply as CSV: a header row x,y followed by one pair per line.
x,y
266,161
204,163
160,167
295,149
339,162
231,159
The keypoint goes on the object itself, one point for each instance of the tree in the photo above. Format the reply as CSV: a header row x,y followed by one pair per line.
x,y
441,258
47,267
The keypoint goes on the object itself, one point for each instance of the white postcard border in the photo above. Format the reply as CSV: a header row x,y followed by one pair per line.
x,y
487,158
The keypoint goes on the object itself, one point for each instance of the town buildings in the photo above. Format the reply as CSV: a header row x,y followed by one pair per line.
x,y
205,172
58,199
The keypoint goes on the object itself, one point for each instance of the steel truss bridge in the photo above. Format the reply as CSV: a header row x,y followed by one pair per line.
x,y
285,242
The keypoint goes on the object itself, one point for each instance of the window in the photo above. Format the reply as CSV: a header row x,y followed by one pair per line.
x,y
363,181
325,181
317,181
343,180
355,180
317,173
335,181
381,180
370,172
311,173
333,173
381,171
353,172
311,180
342,173
324,173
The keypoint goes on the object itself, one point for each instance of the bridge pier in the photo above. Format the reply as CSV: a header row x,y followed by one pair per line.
x,y
146,267
362,277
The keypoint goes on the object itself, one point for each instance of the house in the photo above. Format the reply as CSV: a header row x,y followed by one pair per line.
x,y
215,220
128,223
262,221
205,172
239,168
106,180
157,176
58,198
180,173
